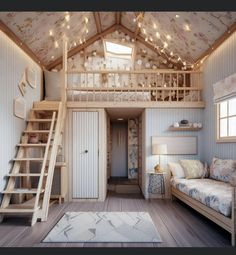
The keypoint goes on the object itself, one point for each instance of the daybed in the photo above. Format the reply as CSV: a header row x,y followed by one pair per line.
x,y
214,196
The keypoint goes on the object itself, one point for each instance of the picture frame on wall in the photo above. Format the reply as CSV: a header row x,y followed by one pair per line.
x,y
22,84
20,107
31,77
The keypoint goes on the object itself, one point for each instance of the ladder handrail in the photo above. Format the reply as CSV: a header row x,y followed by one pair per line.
x,y
52,161
46,153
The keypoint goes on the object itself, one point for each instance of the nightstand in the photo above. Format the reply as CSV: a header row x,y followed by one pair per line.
x,y
156,183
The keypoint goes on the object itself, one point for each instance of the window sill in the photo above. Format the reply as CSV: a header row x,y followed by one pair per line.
x,y
226,140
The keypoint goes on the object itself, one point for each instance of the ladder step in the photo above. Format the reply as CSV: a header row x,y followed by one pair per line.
x,y
40,120
21,191
28,159
18,210
39,109
26,174
32,144
36,131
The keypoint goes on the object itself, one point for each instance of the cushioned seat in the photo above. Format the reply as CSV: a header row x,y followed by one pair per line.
x,y
214,194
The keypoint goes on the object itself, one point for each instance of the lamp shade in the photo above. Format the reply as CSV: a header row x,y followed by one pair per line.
x,y
159,149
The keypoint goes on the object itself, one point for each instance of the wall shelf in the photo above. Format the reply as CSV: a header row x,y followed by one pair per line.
x,y
171,128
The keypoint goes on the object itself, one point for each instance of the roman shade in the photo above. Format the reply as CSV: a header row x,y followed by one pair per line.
x,y
225,89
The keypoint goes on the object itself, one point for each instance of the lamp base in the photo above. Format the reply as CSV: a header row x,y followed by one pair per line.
x,y
157,169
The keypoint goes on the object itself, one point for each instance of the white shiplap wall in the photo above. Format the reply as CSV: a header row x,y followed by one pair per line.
x,y
219,65
13,61
157,124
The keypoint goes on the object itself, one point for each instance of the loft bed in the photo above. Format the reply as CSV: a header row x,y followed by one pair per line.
x,y
137,85
143,88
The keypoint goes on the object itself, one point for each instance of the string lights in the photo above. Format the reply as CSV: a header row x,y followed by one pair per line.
x,y
65,30
159,42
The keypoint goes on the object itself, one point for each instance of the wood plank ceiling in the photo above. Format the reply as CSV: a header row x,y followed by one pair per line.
x,y
182,38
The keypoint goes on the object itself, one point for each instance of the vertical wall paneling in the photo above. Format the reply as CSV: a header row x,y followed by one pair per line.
x,y
220,64
13,62
157,122
85,155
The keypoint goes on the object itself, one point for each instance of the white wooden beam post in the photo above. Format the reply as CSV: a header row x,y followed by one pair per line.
x,y
64,73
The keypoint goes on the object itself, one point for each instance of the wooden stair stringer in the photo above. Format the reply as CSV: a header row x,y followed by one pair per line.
x,y
43,212
22,156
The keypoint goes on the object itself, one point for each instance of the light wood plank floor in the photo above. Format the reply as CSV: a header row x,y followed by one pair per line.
x,y
178,224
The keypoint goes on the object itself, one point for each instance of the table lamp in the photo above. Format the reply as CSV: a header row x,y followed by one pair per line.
x,y
159,149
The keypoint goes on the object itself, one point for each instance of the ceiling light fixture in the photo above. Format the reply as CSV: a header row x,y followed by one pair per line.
x,y
50,33
168,37
177,16
165,44
68,27
52,57
86,20
157,35
120,119
171,53
154,26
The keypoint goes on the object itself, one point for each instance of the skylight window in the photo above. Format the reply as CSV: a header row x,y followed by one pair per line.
x,y
118,50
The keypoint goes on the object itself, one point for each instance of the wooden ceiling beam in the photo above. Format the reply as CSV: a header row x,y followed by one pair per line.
x,y
80,47
97,18
118,18
19,43
217,43
140,20
148,45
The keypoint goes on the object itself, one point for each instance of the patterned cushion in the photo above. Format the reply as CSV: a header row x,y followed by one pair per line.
x,y
192,168
222,169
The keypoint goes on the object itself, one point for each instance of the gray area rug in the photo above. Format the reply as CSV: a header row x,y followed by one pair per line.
x,y
135,227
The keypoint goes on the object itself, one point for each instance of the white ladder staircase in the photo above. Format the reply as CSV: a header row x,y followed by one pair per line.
x,y
47,123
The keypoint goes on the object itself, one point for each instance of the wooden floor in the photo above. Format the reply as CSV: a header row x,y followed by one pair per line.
x,y
178,224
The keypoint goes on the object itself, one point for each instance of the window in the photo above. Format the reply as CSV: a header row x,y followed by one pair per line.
x,y
118,50
120,54
226,121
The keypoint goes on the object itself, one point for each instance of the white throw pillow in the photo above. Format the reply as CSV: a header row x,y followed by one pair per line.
x,y
53,82
176,170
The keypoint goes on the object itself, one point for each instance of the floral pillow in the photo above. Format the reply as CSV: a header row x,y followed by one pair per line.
x,y
222,169
193,169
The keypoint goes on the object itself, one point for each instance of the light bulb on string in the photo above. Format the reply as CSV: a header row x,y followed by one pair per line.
x,y
157,35
165,44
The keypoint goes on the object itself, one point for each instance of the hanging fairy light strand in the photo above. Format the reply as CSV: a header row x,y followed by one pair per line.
x,y
163,46
66,30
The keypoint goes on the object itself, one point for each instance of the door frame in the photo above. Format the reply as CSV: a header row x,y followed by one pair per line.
x,y
102,149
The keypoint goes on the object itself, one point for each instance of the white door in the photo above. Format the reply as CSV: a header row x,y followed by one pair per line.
x,y
85,155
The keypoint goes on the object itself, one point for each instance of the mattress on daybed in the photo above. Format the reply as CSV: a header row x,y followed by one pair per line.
x,y
214,194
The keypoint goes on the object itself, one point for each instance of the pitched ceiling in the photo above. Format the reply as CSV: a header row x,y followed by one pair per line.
x,y
184,34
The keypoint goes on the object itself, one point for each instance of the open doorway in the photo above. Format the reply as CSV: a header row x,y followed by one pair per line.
x,y
124,157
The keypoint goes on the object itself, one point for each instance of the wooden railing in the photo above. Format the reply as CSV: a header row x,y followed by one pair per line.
x,y
136,85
